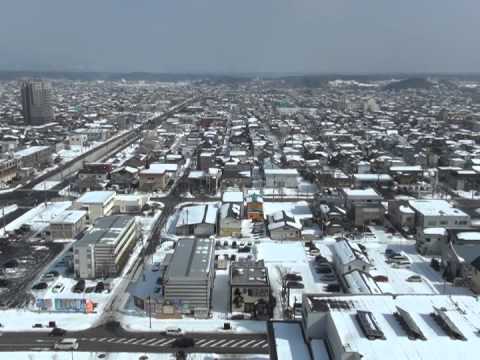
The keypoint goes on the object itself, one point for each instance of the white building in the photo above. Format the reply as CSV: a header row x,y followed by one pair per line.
x,y
97,203
68,224
394,327
348,256
105,249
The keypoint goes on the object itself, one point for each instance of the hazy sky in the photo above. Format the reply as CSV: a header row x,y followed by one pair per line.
x,y
241,36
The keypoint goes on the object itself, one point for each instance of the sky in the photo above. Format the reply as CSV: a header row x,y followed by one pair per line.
x,y
242,36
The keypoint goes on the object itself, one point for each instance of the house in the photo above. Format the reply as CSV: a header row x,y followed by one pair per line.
x,y
348,256
8,170
124,177
401,214
430,240
230,221
198,220
250,289
105,249
97,203
233,196
255,207
68,224
157,176
94,176
189,277
284,227
364,206
276,178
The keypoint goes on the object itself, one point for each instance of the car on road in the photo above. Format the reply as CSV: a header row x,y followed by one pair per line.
x,y
183,342
57,332
156,267
66,344
173,331
99,287
37,326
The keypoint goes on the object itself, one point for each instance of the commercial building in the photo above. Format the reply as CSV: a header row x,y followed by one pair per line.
x,y
97,203
394,327
34,156
250,288
104,250
188,280
199,220
68,224
37,103
363,206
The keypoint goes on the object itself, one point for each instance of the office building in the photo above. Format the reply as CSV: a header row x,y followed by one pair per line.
x,y
37,103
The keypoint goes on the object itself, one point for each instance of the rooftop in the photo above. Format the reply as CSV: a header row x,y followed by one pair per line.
x,y
96,197
106,230
435,208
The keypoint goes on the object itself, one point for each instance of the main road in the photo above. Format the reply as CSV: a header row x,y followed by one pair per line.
x,y
117,339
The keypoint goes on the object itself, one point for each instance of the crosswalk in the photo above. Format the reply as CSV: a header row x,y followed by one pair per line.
x,y
200,342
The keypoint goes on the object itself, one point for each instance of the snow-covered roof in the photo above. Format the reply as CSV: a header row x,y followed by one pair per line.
x,y
469,235
435,208
282,172
435,231
347,252
29,151
413,168
157,168
289,341
96,197
361,194
232,196
198,214
456,313
69,217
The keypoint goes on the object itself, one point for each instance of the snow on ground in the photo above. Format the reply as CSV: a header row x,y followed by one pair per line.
x,y
22,320
75,151
46,185
289,257
289,341
39,217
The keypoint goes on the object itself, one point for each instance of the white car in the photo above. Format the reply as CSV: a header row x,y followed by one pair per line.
x,y
173,331
66,344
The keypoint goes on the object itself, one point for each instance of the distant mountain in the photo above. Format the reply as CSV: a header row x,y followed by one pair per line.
x,y
410,83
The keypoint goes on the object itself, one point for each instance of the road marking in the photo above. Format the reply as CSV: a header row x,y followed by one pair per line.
x,y
239,343
111,340
219,342
149,341
102,339
137,342
208,342
168,342
265,345
258,343
201,341
248,343
229,342
158,342
118,341
130,340
92,339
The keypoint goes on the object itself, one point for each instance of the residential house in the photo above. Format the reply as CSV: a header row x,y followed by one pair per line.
x,y
284,227
198,220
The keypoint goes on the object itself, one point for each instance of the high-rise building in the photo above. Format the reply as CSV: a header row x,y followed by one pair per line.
x,y
37,103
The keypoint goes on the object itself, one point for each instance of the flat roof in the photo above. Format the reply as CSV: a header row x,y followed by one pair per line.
x,y
289,341
96,197
191,260
368,193
232,196
435,208
69,217
106,230
157,168
458,311
248,273
291,172
29,151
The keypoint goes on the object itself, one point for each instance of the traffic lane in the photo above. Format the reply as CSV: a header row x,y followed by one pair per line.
x,y
219,343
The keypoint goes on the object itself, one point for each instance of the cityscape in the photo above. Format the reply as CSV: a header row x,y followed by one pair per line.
x,y
225,205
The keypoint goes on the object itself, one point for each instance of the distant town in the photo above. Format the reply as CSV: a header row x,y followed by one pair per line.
x,y
240,218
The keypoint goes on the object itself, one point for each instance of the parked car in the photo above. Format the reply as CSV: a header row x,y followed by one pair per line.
x,y
66,344
414,278
328,277
99,287
293,277
244,249
79,287
323,270
37,326
333,288
57,332
58,288
156,267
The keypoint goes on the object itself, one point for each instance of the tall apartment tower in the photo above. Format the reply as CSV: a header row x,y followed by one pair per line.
x,y
37,103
